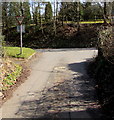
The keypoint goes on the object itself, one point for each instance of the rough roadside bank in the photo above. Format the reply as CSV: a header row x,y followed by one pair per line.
x,y
25,64
102,71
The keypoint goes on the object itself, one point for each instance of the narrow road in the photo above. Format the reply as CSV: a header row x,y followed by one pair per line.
x,y
58,87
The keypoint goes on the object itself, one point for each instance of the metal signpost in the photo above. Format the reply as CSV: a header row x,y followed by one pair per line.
x,y
20,20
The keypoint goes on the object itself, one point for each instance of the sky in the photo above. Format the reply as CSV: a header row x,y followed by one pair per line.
x,y
51,1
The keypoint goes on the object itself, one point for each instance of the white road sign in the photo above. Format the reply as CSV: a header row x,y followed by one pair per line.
x,y
19,28
20,19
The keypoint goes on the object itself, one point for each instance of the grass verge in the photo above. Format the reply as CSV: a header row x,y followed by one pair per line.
x,y
14,52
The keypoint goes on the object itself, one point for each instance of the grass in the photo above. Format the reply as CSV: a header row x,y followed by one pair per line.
x,y
14,52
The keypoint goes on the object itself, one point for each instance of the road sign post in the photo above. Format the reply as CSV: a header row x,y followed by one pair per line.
x,y
20,20
21,38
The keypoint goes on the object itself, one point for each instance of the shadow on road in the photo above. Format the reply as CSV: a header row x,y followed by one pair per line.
x,y
73,98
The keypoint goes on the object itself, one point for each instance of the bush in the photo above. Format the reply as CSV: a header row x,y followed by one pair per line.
x,y
102,69
66,36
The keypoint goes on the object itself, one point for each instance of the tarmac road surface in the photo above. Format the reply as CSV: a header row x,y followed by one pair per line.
x,y
58,87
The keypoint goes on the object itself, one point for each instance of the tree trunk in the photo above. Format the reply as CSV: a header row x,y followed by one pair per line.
x,y
32,6
78,16
41,18
1,37
21,8
0,19
113,14
113,22
62,17
57,12
110,11
54,17
105,12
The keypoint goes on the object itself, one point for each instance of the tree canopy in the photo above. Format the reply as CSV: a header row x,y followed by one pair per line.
x,y
48,12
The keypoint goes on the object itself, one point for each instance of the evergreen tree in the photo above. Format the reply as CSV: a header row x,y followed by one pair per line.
x,y
36,11
68,11
4,14
48,12
12,9
35,16
26,13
